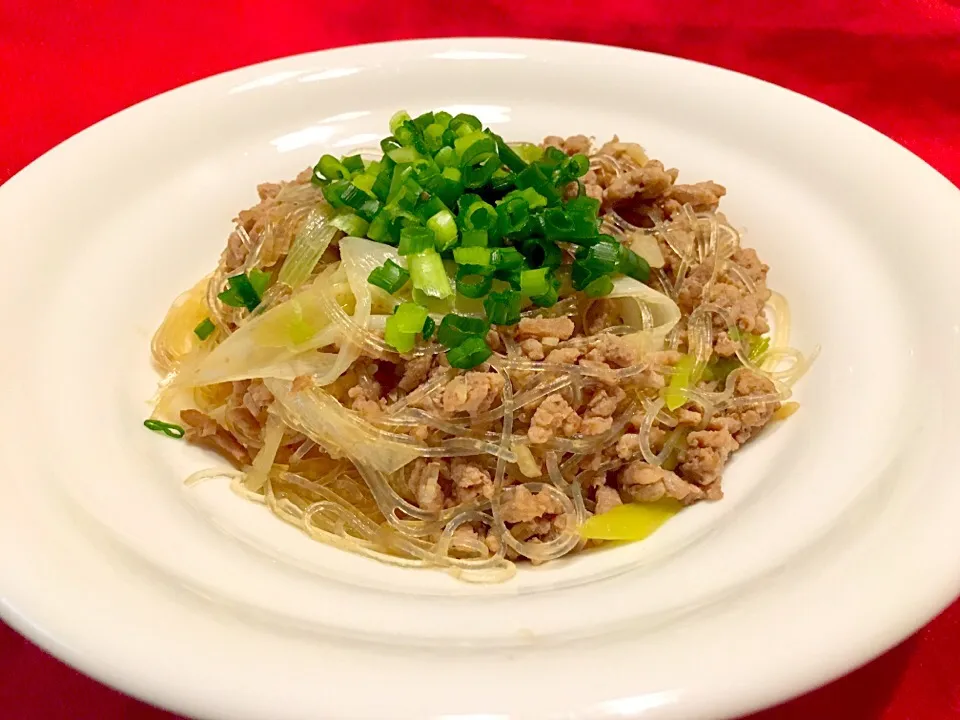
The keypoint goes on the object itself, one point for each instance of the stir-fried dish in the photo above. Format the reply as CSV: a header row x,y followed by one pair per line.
x,y
458,352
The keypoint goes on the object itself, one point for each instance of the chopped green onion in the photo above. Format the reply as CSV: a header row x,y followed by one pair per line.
x,y
444,227
415,239
389,276
351,224
512,215
474,281
454,329
353,163
633,265
598,287
205,329
403,155
533,199
169,429
535,282
428,274
475,176
475,148
550,297
533,177
400,341
433,137
410,317
473,238
398,119
244,291
381,186
510,158
503,308
447,157
542,253
423,121
601,258
552,157
330,168
388,144
471,352
528,152
443,118
464,123
472,255
429,325
479,215
507,259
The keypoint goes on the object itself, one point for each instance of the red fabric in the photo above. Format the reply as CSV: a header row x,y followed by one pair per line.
x,y
895,64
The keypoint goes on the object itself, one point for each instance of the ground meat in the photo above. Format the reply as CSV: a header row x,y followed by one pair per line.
x,y
521,505
470,481
565,355
573,145
204,430
424,484
532,348
301,383
244,424
703,196
645,183
365,400
707,451
472,392
554,415
257,399
604,403
595,425
235,253
415,372
751,418
268,190
647,483
612,350
628,446
607,499
652,377
559,327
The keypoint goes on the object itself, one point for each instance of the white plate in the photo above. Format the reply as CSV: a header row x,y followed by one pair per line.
x,y
837,537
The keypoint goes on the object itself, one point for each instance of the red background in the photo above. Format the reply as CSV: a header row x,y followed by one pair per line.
x,y
893,64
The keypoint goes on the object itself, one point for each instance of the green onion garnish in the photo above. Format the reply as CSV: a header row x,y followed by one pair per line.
x,y
599,287
428,274
444,227
454,329
169,429
410,317
474,281
414,239
535,282
503,308
205,329
468,354
389,276
457,201
429,325
633,265
245,290
472,255
351,224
